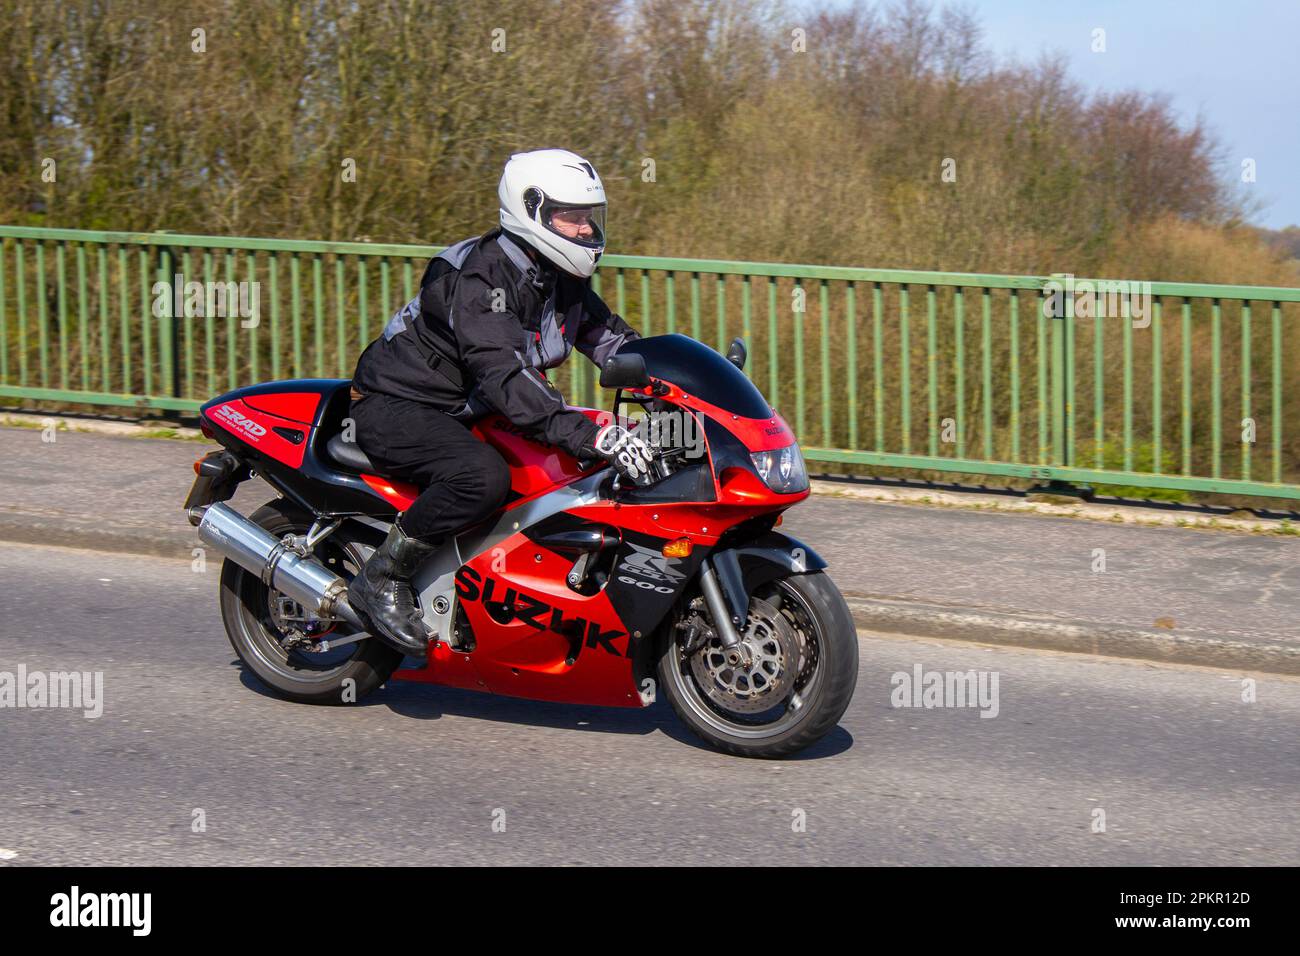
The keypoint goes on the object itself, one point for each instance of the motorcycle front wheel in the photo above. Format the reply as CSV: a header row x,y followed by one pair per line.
x,y
788,691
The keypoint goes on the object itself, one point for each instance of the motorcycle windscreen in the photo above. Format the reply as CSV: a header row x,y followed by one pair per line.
x,y
700,371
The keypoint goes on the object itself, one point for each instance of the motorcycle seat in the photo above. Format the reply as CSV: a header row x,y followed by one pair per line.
x,y
349,455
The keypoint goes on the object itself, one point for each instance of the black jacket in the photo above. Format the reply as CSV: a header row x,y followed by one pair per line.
x,y
486,321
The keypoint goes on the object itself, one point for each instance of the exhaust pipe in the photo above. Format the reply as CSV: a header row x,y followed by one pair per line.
x,y
304,579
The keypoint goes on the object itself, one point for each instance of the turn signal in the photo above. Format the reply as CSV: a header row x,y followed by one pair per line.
x,y
678,548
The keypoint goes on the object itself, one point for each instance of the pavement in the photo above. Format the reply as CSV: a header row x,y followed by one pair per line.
x,y
1083,760
1113,587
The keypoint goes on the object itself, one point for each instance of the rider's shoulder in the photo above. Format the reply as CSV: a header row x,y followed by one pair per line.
x,y
484,257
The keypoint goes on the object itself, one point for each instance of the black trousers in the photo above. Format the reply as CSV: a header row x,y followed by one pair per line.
x,y
462,479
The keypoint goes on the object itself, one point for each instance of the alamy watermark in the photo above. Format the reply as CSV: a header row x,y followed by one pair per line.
x,y
220,300
133,911
42,689
1064,296
668,429
933,689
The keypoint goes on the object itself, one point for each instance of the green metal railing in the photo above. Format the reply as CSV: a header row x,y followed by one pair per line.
x,y
939,372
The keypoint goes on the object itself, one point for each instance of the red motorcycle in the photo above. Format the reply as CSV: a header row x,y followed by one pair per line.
x,y
578,590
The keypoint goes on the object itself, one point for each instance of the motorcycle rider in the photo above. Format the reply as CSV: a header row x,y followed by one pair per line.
x,y
492,313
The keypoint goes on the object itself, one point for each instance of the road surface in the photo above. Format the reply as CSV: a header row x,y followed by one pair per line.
x,y
1184,771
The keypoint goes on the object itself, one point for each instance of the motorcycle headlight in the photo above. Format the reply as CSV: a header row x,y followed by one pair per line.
x,y
782,469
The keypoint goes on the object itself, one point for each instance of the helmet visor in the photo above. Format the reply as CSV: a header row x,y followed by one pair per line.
x,y
584,225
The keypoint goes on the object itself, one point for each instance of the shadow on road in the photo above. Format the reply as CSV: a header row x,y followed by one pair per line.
x,y
432,702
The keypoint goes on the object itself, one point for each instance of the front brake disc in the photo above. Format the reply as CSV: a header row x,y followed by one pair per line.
x,y
769,676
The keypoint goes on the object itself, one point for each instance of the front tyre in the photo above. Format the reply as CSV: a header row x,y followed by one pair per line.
x,y
277,641
798,680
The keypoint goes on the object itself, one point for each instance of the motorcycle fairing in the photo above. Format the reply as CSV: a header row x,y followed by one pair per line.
x,y
434,581
536,637
297,406
269,435
535,466
306,474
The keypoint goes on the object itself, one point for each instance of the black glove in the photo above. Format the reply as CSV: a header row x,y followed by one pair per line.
x,y
631,456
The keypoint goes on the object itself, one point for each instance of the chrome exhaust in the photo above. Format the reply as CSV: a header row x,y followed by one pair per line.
x,y
278,565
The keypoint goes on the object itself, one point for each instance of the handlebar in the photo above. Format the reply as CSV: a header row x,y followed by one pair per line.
x,y
658,458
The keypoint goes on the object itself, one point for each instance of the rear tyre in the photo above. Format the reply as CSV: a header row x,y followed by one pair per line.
x,y
802,671
261,625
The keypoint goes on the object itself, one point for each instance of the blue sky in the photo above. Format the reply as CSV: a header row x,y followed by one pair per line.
x,y
1235,64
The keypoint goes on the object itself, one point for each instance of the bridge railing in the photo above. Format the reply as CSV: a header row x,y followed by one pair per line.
x,y
1154,385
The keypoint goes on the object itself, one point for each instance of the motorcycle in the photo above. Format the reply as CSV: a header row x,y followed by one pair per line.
x,y
578,590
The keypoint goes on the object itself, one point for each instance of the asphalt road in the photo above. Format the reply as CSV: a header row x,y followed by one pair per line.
x,y
1184,770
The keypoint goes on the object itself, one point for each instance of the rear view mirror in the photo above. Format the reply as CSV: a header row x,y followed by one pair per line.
x,y
624,371
736,355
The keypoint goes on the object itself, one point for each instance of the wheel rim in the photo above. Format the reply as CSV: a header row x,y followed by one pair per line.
x,y
265,615
769,695
754,681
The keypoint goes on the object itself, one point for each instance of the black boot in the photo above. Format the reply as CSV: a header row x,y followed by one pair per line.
x,y
382,593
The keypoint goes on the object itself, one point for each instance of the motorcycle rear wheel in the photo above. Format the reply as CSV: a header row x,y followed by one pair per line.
x,y
248,610
803,639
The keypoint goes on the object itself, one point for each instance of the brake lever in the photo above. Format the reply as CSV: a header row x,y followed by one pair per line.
x,y
617,485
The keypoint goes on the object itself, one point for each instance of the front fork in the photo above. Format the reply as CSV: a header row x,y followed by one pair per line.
x,y
725,618
723,585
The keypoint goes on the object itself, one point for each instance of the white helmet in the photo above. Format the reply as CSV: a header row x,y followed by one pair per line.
x,y
553,199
